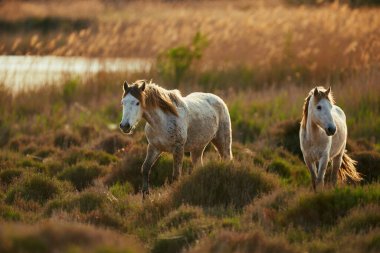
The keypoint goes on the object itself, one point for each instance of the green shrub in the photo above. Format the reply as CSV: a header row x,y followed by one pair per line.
x,y
76,155
120,190
7,176
223,184
113,142
181,228
56,236
360,220
286,134
85,202
5,132
65,140
81,175
129,169
36,188
324,209
179,216
89,207
174,64
368,165
230,242
8,213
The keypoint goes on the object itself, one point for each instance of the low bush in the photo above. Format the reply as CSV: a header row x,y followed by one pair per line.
x,y
324,209
7,176
120,190
113,142
181,228
89,207
368,165
38,188
286,134
76,155
253,242
65,140
81,175
8,213
360,220
223,184
56,236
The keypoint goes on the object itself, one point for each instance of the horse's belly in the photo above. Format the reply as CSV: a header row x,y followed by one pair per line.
x,y
201,131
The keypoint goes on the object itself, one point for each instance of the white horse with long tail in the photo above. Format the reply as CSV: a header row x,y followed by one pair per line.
x,y
176,124
323,137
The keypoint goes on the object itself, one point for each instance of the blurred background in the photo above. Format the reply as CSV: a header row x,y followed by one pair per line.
x,y
65,168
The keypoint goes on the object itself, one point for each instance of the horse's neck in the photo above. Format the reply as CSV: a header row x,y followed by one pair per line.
x,y
312,129
155,117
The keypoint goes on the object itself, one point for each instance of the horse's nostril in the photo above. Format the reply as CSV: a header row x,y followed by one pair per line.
x,y
121,126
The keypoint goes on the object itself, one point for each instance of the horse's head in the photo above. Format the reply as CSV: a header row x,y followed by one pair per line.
x,y
320,108
132,105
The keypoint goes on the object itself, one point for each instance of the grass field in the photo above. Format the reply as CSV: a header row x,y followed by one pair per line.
x,y
70,181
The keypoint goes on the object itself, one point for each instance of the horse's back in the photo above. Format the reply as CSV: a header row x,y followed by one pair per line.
x,y
205,113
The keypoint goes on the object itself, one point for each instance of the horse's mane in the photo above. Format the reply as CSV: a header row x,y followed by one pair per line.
x,y
155,96
321,94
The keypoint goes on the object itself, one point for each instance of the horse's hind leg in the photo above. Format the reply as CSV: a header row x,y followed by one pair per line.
x,y
223,142
196,157
337,163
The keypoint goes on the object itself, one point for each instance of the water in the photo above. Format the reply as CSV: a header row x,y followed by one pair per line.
x,y
19,72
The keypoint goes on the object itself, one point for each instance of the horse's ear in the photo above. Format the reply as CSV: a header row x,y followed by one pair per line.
x,y
316,91
125,86
142,86
327,92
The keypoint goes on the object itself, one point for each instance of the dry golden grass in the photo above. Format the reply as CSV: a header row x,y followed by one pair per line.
x,y
330,39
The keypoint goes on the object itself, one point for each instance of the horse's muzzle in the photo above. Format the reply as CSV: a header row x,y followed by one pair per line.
x,y
125,128
330,131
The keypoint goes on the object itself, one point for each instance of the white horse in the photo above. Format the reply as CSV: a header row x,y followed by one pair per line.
x,y
323,136
176,124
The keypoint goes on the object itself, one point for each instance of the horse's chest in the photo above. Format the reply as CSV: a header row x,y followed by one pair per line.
x,y
314,149
166,138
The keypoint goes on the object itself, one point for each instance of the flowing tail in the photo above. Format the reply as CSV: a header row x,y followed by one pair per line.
x,y
348,169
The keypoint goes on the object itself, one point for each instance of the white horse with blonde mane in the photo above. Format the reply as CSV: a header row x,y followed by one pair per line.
x,y
323,137
176,124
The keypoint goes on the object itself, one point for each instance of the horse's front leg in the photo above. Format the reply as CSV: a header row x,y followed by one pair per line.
x,y
312,168
151,157
177,161
322,171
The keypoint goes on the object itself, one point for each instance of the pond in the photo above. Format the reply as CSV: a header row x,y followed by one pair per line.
x,y
20,72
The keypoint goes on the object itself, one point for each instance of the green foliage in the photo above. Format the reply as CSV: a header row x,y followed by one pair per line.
x,y
5,132
38,188
174,64
368,165
66,140
8,175
229,242
360,220
8,213
113,142
76,155
82,174
55,236
325,208
69,89
286,134
120,190
224,185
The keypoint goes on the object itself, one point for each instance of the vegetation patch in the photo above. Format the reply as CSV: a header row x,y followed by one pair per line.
x,y
9,175
81,175
56,236
224,184
38,188
324,209
230,242
368,165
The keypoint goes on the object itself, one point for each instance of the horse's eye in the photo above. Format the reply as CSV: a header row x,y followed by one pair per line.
x,y
137,103
319,107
